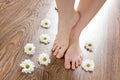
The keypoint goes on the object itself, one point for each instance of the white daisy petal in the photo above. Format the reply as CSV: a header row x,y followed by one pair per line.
x,y
29,48
88,65
27,66
44,59
89,46
45,23
44,38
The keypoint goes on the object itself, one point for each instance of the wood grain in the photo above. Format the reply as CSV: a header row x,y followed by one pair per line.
x,y
20,24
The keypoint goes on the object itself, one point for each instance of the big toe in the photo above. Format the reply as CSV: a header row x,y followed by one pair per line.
x,y
67,63
61,53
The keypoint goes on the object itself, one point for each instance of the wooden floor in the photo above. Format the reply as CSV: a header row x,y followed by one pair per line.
x,y
20,24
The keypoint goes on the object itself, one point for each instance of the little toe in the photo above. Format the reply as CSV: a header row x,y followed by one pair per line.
x,y
73,64
60,53
56,51
79,62
82,56
54,47
76,62
67,63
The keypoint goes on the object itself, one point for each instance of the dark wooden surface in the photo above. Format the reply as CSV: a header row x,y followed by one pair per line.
x,y
20,24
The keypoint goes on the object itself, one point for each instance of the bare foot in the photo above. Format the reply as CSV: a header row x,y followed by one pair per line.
x,y
65,25
73,56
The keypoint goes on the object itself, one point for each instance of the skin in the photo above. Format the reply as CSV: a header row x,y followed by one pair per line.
x,y
70,41
68,17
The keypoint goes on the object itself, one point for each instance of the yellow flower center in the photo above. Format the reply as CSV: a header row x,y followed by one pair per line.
x,y
45,38
44,59
46,23
89,44
88,65
27,66
30,49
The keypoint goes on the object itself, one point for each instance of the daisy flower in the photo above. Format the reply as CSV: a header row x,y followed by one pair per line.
x,y
44,38
27,66
88,65
44,59
29,48
56,9
89,46
45,23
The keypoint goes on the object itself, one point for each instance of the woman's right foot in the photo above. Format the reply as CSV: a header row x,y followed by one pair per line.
x,y
65,25
73,55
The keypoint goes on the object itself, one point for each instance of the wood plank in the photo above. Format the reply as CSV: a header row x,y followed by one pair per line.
x,y
20,24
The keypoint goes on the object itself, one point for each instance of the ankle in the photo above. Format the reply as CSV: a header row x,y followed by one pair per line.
x,y
66,15
75,39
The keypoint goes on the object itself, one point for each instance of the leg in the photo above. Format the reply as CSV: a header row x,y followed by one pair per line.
x,y
88,10
67,19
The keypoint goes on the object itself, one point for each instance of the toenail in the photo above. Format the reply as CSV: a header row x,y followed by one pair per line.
x,y
73,68
57,56
67,66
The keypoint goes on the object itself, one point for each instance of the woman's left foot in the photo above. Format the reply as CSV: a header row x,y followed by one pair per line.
x,y
65,24
73,56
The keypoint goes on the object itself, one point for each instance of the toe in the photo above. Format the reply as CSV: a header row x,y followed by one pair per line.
x,y
79,61
82,56
56,51
76,62
54,47
60,53
67,63
73,64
